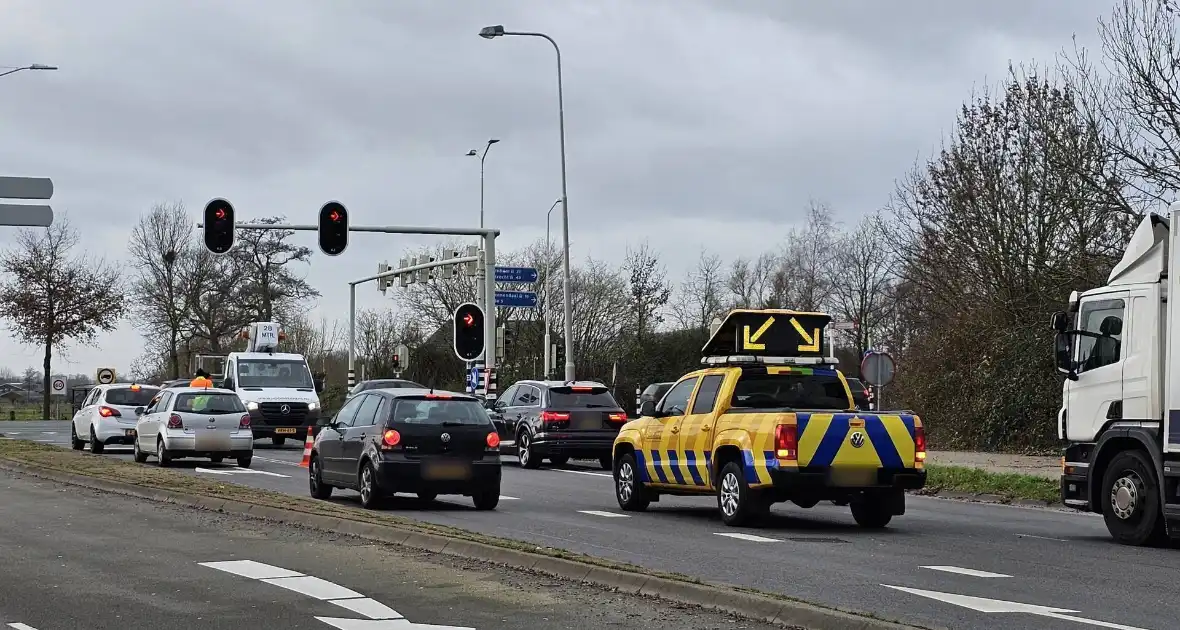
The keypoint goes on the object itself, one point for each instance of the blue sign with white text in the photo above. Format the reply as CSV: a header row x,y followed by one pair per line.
x,y
523,275
518,299
473,379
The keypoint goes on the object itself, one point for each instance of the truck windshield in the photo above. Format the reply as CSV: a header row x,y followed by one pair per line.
x,y
790,390
273,373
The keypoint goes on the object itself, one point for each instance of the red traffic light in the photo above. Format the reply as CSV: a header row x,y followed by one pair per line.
x,y
219,213
334,216
468,320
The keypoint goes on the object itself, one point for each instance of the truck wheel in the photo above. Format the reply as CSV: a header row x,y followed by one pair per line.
x,y
735,499
1130,500
628,490
871,511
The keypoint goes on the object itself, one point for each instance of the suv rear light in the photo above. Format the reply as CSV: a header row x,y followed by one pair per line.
x,y
786,441
553,417
617,417
175,421
919,445
493,440
244,423
390,438
108,412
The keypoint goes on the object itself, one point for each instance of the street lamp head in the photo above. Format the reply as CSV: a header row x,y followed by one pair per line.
x,y
493,141
472,152
488,32
41,66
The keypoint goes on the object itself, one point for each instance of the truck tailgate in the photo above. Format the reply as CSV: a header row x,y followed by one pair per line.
x,y
856,440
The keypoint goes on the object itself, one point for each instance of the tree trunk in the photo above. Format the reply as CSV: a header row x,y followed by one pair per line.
x,y
46,380
174,353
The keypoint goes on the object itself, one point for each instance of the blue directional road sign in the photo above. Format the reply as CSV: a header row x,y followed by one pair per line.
x,y
522,275
519,299
473,379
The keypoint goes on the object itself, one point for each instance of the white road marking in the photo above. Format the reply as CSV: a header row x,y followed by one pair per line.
x,y
231,471
605,514
20,626
277,461
985,605
314,587
963,571
1040,537
504,497
383,624
749,537
211,471
583,472
49,433
251,569
39,440
370,608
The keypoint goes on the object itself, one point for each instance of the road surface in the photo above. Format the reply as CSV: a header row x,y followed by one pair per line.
x,y
75,559
943,551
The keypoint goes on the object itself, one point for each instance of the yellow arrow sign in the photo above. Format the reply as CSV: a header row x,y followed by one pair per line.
x,y
750,342
810,342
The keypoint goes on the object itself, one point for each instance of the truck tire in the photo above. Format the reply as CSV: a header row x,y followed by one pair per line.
x,y
871,511
629,491
738,504
1130,500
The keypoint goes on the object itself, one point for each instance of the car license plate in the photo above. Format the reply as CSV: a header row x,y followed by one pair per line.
x,y
853,477
287,431
129,433
445,470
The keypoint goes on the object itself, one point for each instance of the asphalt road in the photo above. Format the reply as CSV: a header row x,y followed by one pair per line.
x,y
80,560
1060,561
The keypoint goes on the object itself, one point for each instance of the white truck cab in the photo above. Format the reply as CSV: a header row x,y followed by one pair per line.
x,y
277,388
1120,413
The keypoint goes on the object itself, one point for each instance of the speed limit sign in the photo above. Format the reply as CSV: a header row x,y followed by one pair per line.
x,y
59,385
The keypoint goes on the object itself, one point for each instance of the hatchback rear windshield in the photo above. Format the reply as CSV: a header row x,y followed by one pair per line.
x,y
791,391
209,403
422,410
392,384
127,397
581,398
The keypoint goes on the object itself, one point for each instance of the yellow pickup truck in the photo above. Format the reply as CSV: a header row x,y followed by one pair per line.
x,y
769,419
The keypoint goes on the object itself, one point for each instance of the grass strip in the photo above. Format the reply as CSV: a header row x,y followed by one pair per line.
x,y
1006,485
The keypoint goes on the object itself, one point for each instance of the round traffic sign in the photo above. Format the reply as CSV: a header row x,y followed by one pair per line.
x,y
59,385
877,368
106,376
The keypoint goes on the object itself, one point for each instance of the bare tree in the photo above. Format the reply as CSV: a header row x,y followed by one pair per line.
x,y
52,296
701,296
648,289
806,272
160,246
861,287
378,335
217,305
751,283
317,341
267,265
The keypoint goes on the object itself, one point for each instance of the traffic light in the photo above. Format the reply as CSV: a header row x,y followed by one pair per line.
x,y
469,339
509,337
219,226
559,358
333,228
397,362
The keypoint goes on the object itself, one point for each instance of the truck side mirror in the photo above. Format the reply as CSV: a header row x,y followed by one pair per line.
x,y
1063,354
1059,321
319,384
647,409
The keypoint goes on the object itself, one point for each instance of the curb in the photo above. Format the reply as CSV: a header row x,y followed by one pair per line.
x,y
718,597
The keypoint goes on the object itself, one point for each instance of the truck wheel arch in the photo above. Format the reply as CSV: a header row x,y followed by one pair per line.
x,y
1115,440
722,456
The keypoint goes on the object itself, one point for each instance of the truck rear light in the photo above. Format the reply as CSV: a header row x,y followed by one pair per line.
x,y
919,444
554,417
390,438
786,441
108,412
175,421
244,423
493,440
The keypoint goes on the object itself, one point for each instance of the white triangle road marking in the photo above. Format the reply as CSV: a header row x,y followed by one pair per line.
x,y
985,605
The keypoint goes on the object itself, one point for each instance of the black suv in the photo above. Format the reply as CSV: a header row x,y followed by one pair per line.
x,y
861,395
558,420
420,441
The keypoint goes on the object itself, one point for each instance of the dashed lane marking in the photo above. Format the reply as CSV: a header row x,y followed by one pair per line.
x,y
235,471
604,514
504,497
749,537
582,472
971,572
1040,537
20,626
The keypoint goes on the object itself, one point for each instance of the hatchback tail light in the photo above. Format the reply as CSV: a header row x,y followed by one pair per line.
x,y
493,440
244,423
919,445
786,441
108,412
390,438
175,421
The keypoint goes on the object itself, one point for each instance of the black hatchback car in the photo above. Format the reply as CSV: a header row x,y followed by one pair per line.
x,y
427,442
558,420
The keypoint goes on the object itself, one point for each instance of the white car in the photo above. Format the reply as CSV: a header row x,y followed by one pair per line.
x,y
107,415
194,422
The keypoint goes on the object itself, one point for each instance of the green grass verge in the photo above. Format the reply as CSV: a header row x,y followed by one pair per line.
x,y
33,412
1009,486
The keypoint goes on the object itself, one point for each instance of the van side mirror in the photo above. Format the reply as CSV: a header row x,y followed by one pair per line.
x,y
319,384
1059,321
647,409
1063,355
228,383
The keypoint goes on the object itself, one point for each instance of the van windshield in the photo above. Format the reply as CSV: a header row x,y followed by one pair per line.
x,y
791,390
274,373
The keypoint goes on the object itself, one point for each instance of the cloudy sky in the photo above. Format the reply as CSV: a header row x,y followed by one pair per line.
x,y
690,123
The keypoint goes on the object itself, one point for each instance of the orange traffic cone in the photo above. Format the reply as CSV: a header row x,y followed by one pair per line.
x,y
307,449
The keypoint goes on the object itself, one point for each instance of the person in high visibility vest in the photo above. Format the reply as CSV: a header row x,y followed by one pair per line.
x,y
202,380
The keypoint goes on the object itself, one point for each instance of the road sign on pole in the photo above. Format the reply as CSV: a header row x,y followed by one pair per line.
x,y
518,275
105,376
877,368
59,387
473,378
518,299
25,215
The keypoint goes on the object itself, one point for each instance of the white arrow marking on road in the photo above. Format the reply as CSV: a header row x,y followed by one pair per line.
x,y
985,605
231,471
20,626
251,569
384,624
314,587
368,607
749,537
962,571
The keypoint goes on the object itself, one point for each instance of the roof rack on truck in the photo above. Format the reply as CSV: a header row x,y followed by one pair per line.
x,y
750,337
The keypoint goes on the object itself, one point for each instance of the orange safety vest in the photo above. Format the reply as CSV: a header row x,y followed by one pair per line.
x,y
201,381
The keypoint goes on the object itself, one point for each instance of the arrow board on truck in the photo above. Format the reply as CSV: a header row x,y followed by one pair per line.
x,y
769,333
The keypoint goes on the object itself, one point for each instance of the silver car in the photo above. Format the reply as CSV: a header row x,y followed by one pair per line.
x,y
194,422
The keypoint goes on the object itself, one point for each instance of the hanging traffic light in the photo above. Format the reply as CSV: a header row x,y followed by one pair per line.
x,y
219,226
559,358
333,230
469,339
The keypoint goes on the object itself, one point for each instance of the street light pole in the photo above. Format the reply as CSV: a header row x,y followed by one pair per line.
x,y
483,157
490,32
36,66
548,292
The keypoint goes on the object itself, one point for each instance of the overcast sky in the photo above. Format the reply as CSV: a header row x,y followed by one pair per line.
x,y
691,123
